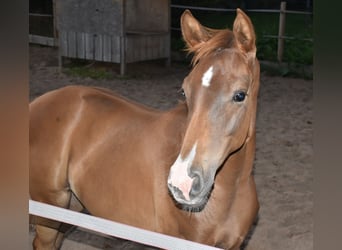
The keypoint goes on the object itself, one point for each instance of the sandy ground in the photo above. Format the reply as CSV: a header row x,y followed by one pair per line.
x,y
283,166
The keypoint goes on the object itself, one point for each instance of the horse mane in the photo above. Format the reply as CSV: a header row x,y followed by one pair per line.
x,y
220,39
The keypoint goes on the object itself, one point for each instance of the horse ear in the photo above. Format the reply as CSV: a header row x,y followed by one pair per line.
x,y
193,32
244,33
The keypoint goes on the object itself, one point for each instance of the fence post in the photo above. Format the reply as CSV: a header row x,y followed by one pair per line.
x,y
281,32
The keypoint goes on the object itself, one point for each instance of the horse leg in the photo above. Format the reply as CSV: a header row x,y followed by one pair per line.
x,y
46,238
48,232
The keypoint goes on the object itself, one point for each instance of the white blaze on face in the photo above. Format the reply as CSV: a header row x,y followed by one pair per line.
x,y
207,77
179,173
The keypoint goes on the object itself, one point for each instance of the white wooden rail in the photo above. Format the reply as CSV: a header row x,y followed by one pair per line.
x,y
112,228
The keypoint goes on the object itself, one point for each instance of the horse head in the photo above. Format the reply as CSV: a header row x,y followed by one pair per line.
x,y
221,92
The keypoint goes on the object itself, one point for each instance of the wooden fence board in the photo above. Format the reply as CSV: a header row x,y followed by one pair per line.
x,y
98,47
80,44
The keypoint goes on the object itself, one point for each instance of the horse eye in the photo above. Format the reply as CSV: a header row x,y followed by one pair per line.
x,y
239,96
182,92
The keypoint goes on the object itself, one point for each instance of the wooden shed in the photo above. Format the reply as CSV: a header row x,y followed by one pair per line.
x,y
118,31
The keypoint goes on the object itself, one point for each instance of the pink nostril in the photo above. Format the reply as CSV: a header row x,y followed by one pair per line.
x,y
180,187
185,188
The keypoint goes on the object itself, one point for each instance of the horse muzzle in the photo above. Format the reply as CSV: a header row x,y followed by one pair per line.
x,y
190,191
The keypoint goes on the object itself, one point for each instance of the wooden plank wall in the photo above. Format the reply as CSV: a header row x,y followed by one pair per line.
x,y
142,47
89,16
97,30
97,47
90,29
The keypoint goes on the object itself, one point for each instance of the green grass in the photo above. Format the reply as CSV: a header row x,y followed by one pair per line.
x,y
83,69
89,72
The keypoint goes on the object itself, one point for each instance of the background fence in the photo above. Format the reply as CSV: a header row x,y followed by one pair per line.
x,y
282,11
51,38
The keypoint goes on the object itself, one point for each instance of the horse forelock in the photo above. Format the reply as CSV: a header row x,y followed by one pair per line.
x,y
221,39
